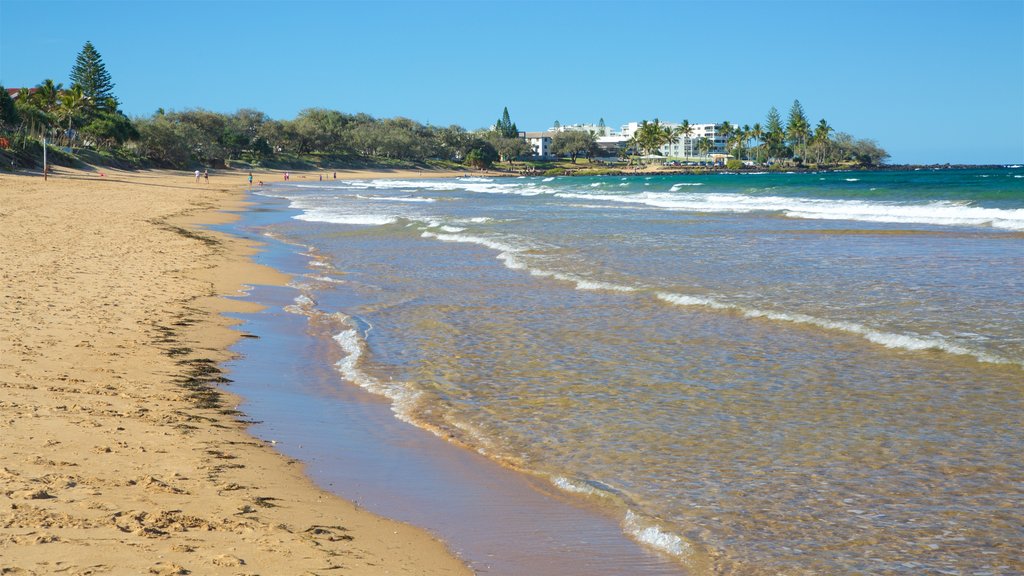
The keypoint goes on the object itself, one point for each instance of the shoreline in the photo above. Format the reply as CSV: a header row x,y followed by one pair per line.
x,y
501,518
121,449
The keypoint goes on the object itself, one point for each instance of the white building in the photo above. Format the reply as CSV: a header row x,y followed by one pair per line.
x,y
541,143
595,129
684,146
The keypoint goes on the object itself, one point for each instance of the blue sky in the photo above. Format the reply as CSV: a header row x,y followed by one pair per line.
x,y
930,81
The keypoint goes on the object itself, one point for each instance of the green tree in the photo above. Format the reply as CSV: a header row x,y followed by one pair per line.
x,y
90,74
454,142
704,146
574,143
109,128
481,155
9,117
798,128
686,131
725,130
73,108
821,140
757,136
650,136
774,135
505,127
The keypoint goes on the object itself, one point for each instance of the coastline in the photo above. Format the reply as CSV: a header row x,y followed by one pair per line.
x,y
499,518
121,450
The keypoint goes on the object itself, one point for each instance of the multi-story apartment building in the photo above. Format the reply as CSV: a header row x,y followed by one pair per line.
x,y
610,142
684,146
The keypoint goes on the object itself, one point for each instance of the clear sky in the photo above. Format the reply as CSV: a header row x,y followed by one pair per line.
x,y
929,81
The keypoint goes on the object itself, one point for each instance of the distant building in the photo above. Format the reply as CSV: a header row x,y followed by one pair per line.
x,y
15,92
609,146
610,143
684,146
541,143
595,129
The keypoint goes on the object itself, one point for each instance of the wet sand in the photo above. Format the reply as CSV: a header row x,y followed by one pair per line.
x,y
121,449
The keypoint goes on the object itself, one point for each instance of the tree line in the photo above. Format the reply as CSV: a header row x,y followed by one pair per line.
x,y
795,142
88,115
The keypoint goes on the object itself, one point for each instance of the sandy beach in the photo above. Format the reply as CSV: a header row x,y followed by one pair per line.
x,y
120,449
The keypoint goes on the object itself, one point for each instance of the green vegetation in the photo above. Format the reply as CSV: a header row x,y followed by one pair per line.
x,y
792,145
85,121
574,143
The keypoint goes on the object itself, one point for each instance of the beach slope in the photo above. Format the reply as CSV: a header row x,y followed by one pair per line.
x,y
120,451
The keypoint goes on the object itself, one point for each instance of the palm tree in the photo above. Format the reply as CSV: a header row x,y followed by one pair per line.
x,y
686,131
47,95
668,136
73,103
757,135
725,130
34,120
821,139
735,143
704,146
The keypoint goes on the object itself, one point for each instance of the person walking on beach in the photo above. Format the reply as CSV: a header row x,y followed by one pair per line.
x,y
206,176
197,176
250,179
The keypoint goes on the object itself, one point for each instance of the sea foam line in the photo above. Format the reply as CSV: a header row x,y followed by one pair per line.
x,y
941,213
509,254
912,343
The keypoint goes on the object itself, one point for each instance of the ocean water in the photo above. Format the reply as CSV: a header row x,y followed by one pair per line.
x,y
755,374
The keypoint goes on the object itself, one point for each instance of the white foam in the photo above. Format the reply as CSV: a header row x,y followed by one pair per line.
x,y
326,279
325,215
853,179
575,487
942,213
352,345
652,535
509,254
679,185
397,198
911,342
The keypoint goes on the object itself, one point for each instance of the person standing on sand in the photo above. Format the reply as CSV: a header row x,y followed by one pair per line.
x,y
197,176
206,176
250,179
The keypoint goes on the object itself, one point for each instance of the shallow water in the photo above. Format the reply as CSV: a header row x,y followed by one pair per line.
x,y
808,373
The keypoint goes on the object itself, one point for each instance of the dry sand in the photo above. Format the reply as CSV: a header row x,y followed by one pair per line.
x,y
119,453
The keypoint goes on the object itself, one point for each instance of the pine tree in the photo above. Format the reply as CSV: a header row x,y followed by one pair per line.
x,y
91,75
797,127
773,133
505,127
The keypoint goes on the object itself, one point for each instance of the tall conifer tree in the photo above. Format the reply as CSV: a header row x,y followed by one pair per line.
x,y
505,127
91,75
